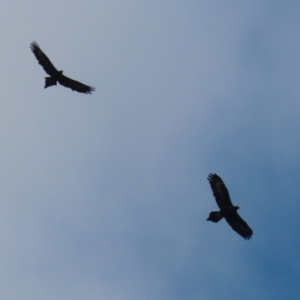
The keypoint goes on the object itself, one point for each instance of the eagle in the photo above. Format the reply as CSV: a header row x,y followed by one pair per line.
x,y
227,209
55,75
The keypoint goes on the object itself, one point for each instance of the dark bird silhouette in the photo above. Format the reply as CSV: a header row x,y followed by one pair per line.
x,y
227,209
57,76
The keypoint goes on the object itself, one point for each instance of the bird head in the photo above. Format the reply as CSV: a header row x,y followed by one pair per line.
x,y
237,207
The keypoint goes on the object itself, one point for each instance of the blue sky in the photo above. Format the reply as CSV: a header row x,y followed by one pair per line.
x,y
105,196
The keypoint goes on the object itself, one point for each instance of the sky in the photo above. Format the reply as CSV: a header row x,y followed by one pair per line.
x,y
105,196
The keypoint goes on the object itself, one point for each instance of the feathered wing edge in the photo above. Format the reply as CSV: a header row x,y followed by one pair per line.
x,y
219,190
75,85
239,225
43,60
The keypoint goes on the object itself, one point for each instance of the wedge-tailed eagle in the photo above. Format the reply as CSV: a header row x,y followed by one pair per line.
x,y
55,75
227,209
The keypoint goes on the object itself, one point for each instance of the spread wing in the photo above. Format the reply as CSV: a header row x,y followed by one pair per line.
x,y
43,60
75,85
239,225
220,191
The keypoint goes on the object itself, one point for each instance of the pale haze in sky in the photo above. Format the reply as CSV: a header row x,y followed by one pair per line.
x,y
105,196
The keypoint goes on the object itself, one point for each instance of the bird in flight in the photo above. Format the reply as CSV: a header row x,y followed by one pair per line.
x,y
55,75
227,209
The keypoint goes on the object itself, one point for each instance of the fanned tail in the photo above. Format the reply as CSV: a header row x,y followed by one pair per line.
x,y
49,81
